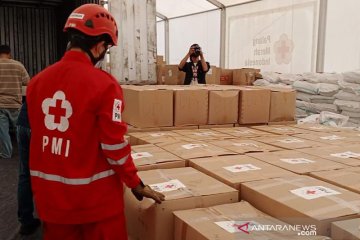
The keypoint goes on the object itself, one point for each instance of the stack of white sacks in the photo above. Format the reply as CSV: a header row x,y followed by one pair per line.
x,y
317,92
348,98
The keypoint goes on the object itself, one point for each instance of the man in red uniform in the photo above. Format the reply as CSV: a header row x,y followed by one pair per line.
x,y
79,158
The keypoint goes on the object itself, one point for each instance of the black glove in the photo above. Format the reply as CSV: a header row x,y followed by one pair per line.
x,y
142,191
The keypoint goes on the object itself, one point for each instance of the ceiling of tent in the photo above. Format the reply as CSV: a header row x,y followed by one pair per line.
x,y
176,8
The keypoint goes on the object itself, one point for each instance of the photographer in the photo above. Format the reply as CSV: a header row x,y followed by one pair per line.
x,y
197,68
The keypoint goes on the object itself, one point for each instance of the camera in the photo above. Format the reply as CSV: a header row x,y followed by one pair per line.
x,y
197,49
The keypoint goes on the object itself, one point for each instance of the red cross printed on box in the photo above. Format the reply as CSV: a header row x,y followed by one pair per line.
x,y
169,186
238,167
242,227
311,192
57,111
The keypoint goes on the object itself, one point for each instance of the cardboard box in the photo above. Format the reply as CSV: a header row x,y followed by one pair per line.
x,y
160,59
346,230
332,138
297,162
145,107
213,75
160,71
254,105
282,123
223,106
289,142
282,105
216,126
244,76
132,129
302,200
230,222
179,128
345,178
237,169
348,155
317,127
244,132
184,188
226,76
172,75
194,149
202,134
148,156
139,138
190,106
281,129
243,146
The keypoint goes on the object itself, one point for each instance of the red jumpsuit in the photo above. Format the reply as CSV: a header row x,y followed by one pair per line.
x,y
79,159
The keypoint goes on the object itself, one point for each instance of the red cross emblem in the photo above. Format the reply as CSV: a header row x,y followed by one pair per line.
x,y
310,192
57,111
169,186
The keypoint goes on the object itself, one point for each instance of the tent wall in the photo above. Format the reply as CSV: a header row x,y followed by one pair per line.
x,y
273,35
342,42
160,32
203,29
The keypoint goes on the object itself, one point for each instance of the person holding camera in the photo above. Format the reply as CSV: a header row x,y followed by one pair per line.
x,y
197,68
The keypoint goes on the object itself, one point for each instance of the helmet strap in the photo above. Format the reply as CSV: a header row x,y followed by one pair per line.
x,y
93,59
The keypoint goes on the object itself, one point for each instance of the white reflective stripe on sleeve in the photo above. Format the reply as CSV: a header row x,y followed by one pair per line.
x,y
72,181
114,146
121,161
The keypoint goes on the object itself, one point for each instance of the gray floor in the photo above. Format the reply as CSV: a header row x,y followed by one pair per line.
x,y
9,225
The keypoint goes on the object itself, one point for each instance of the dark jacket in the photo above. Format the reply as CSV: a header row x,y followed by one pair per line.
x,y
189,72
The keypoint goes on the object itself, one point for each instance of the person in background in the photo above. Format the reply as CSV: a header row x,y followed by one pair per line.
x,y
29,224
79,158
13,76
197,68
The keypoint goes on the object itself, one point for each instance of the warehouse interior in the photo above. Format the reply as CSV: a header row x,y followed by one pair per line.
x,y
263,142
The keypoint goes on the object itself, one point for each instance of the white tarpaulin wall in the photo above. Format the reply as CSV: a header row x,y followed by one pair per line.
x,y
342,42
279,36
203,29
160,31
272,35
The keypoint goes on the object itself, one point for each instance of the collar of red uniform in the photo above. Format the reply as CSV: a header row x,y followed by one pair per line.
x,y
72,55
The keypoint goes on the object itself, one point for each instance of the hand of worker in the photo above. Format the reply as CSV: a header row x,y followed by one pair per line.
x,y
142,191
191,51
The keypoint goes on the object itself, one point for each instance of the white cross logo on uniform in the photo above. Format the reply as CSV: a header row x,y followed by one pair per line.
x,y
57,112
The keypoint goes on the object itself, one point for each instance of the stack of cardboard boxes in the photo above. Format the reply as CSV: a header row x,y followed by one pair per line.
x,y
170,75
166,106
204,173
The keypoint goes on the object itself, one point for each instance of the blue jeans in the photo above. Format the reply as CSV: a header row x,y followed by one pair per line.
x,y
8,118
25,196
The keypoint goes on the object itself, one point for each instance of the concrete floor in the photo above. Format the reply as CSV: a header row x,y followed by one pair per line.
x,y
9,226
